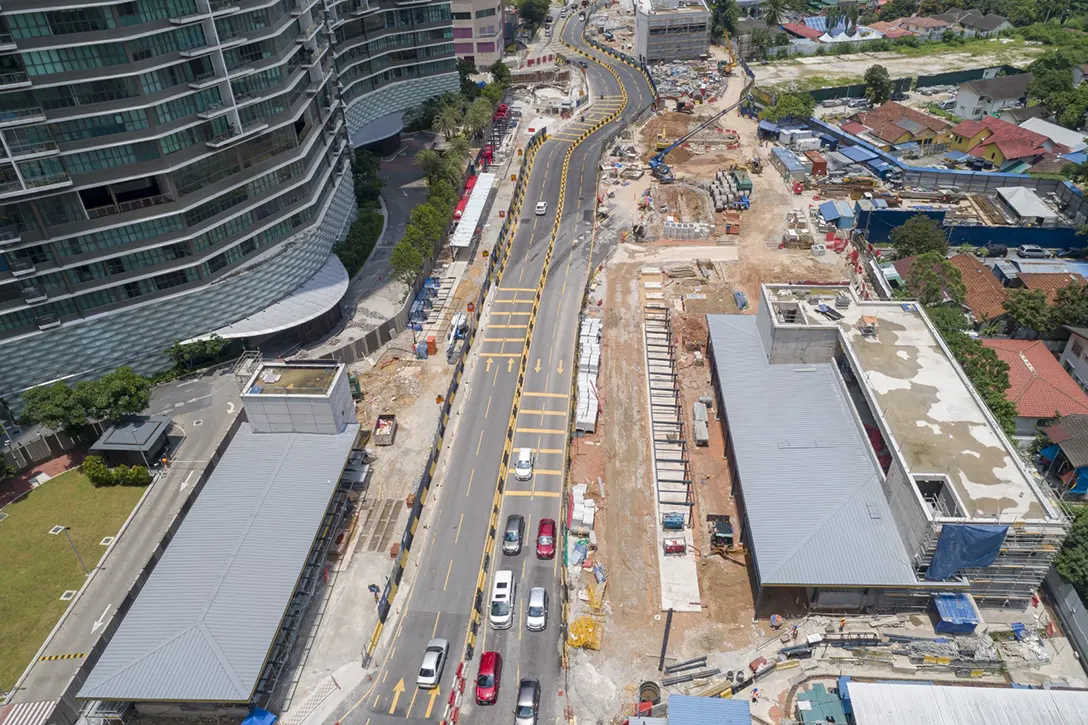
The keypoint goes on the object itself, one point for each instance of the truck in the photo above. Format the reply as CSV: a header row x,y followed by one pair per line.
x,y
743,181
685,105
385,429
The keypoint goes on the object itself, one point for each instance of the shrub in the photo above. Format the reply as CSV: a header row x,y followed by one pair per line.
x,y
95,469
362,236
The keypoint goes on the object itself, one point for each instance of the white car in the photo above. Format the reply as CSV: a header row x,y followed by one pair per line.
x,y
523,466
536,615
541,208
434,659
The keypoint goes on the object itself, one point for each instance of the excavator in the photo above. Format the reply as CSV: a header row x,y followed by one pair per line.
x,y
660,169
727,66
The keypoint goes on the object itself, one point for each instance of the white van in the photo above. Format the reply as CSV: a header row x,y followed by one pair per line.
x,y
503,600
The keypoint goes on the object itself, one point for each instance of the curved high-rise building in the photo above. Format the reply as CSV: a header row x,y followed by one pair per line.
x,y
167,167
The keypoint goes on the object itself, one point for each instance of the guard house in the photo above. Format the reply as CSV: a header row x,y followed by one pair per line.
x,y
133,441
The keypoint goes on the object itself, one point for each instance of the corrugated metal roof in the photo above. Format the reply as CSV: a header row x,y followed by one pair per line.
x,y
691,710
902,704
202,626
812,490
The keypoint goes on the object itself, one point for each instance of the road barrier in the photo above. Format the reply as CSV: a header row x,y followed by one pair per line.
x,y
496,264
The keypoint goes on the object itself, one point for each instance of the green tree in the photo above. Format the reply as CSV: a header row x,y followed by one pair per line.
x,y
6,469
96,471
406,262
724,17
898,9
431,222
918,235
760,42
947,320
364,170
1028,309
447,121
186,355
500,73
878,85
790,105
54,406
114,395
478,116
774,11
934,280
1072,560
533,12
1070,306
466,68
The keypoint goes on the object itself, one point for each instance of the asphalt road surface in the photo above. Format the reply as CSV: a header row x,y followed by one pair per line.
x,y
441,599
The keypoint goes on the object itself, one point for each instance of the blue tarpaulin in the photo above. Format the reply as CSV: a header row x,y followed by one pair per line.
x,y
844,694
958,157
257,716
965,545
1079,482
838,213
857,154
955,613
770,127
1050,451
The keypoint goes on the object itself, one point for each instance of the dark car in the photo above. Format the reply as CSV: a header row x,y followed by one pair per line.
x,y
528,704
513,534
545,539
487,681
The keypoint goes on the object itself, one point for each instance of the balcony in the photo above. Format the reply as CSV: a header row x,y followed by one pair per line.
x,y
232,136
224,7
7,43
33,149
126,206
196,52
9,235
21,117
188,19
12,188
18,79
216,109
21,268
233,42
48,322
204,80
33,295
308,32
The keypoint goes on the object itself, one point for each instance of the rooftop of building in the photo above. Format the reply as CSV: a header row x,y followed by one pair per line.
x,y
134,433
936,420
918,703
202,627
891,120
292,379
1008,87
1038,385
672,7
1050,283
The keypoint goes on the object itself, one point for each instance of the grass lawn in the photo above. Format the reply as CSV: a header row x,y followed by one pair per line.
x,y
39,567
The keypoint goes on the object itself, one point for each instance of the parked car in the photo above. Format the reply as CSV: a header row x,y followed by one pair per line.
x,y
1031,251
434,659
536,613
528,703
858,103
545,539
487,680
831,102
512,534
994,250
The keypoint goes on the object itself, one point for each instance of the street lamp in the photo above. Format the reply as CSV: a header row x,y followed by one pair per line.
x,y
59,529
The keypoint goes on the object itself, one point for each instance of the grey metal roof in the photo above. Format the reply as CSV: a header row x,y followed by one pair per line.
x,y
811,485
201,628
910,704
132,434
692,710
308,301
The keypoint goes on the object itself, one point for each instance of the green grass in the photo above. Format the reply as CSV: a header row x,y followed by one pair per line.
x,y
39,567
947,115
813,83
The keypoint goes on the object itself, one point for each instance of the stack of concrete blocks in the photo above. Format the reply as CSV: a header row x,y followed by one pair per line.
x,y
583,512
723,190
686,230
589,364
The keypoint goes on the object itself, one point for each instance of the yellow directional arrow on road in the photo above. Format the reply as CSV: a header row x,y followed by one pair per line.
x,y
398,690
430,703
509,364
488,367
560,368
537,368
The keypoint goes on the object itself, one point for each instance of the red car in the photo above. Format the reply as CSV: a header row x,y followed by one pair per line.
x,y
487,681
545,539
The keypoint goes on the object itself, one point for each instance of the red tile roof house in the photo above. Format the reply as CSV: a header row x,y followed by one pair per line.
x,y
1002,142
891,30
1038,386
985,293
1049,283
894,123
926,28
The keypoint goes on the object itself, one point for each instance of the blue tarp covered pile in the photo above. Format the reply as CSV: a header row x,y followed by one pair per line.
x,y
963,546
955,613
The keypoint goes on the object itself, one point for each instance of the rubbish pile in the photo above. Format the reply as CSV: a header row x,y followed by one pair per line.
x,y
694,79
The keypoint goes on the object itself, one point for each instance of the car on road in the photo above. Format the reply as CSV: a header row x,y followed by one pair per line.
x,y
536,613
523,466
858,103
545,539
487,680
513,534
434,659
582,16
541,208
1031,251
503,601
528,706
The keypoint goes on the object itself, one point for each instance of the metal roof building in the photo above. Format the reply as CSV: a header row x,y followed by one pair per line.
x,y
209,618
910,704
807,476
691,710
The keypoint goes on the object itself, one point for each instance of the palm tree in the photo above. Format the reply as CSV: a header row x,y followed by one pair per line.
x,y
430,161
458,149
774,11
760,42
447,121
478,116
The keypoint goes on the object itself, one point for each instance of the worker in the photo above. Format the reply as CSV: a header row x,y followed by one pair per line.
x,y
165,462
842,624
793,632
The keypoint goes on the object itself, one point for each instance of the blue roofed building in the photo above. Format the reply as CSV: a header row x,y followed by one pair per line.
x,y
691,710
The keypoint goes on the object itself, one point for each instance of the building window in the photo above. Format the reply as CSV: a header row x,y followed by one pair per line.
x,y
1077,347
462,16
486,13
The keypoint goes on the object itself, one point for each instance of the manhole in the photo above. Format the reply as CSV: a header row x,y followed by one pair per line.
x,y
106,541
68,595
56,530
198,422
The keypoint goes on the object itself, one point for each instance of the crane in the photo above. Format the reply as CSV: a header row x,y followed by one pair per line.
x,y
657,164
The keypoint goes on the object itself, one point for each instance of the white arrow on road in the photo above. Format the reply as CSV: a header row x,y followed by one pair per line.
x,y
230,408
186,481
101,621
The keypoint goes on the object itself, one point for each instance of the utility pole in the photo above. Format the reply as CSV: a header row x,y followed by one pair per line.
x,y
64,530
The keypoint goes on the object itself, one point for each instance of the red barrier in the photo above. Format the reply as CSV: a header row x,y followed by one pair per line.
x,y
460,670
453,697
455,715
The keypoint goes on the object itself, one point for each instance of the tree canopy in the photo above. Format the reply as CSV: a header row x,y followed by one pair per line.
x,y
790,105
533,12
878,85
114,395
934,280
1072,560
918,235
1028,309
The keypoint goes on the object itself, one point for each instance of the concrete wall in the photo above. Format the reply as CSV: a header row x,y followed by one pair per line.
x,y
302,413
804,345
139,335
680,35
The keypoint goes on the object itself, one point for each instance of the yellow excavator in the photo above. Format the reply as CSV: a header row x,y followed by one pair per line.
x,y
727,66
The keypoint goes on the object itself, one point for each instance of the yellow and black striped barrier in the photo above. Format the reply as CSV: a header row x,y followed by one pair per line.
x,y
70,656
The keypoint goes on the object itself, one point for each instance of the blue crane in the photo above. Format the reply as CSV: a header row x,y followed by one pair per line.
x,y
657,164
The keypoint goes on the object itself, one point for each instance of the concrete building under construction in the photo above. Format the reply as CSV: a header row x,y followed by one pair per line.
x,y
671,29
868,471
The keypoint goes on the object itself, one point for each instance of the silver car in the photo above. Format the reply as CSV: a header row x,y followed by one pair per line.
x,y
536,615
434,659
528,703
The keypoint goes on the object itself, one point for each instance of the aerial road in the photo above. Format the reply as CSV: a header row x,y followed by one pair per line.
x,y
440,602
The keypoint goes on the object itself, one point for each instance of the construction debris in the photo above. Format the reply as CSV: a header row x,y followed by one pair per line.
x,y
589,361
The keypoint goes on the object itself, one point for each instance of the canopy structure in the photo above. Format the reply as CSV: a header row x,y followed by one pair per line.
x,y
473,211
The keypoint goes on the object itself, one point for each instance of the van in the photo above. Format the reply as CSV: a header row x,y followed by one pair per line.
x,y
501,611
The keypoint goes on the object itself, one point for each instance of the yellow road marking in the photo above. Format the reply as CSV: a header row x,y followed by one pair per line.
x,y
510,492
430,703
516,302
398,690
544,412
467,489
488,406
547,494
556,451
546,431
458,536
516,289
503,339
503,354
563,396
411,704
436,616
508,327
449,569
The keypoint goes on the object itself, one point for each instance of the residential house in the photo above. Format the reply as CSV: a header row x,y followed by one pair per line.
x,y
891,30
924,28
1049,283
894,124
1019,114
1073,140
970,23
1067,456
985,296
1074,359
976,99
1001,142
1079,73
1038,385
